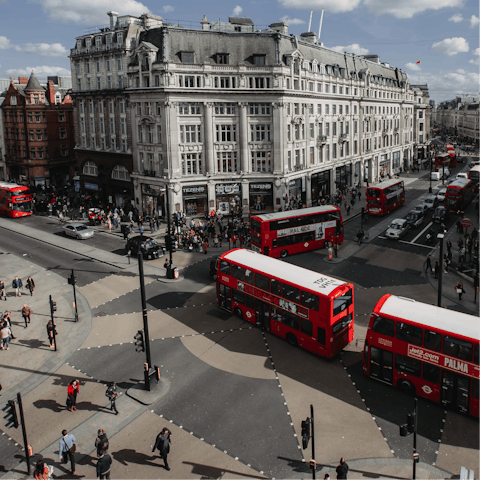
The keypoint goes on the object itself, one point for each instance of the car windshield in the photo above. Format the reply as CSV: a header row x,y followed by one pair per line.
x,y
439,211
395,226
429,200
150,243
411,216
81,228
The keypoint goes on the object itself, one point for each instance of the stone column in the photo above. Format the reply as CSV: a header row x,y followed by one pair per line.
x,y
244,152
208,140
279,137
308,190
171,133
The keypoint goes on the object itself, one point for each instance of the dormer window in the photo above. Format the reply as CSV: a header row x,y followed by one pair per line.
x,y
109,39
79,44
222,58
120,37
13,100
259,60
187,57
98,41
88,42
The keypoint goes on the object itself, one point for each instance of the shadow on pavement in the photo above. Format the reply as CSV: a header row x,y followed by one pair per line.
x,y
128,455
207,471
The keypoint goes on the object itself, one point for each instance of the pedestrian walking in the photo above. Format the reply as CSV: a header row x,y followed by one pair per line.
x,y
205,247
8,318
101,442
436,269
446,263
5,334
2,291
30,285
111,394
360,236
43,471
67,448
429,264
72,390
459,289
342,469
162,444
140,229
335,249
51,330
104,465
17,285
26,313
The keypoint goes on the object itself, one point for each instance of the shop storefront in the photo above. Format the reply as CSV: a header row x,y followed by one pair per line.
x,y
194,200
396,162
320,186
228,198
261,197
384,166
296,190
343,177
153,200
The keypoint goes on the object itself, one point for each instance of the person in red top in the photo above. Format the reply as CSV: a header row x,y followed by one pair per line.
x,y
73,390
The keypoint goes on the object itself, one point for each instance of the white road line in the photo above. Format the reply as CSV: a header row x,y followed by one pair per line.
x,y
416,244
422,232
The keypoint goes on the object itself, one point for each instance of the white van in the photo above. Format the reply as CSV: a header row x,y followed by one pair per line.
x,y
438,175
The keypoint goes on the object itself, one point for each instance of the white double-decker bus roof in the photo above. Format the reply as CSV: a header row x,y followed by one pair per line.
x,y
296,213
299,276
386,183
431,316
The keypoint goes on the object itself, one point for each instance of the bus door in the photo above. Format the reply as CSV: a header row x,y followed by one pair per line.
x,y
381,365
455,390
262,314
225,296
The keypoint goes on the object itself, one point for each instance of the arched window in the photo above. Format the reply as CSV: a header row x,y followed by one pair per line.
x,y
89,168
119,172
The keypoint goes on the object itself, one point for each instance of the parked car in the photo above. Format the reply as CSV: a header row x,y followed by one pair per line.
x,y
414,218
430,202
148,246
78,230
421,207
441,214
397,229
461,175
441,195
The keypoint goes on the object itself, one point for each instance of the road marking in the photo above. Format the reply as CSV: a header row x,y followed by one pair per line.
x,y
416,244
422,232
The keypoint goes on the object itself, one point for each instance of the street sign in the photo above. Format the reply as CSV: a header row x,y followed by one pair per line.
x,y
466,222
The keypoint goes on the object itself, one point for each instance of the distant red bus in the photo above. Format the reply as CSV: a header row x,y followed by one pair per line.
x,y
382,198
474,176
306,308
443,160
459,194
295,231
424,350
15,200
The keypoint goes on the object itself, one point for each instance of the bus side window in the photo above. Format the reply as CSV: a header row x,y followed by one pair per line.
x,y
306,327
409,333
224,267
276,314
457,348
431,373
249,276
384,326
291,293
276,287
408,365
237,272
321,335
475,355
310,300
274,243
475,388
250,302
432,340
262,282
238,297
291,320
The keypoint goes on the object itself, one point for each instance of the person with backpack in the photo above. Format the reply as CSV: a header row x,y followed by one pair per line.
x,y
111,394
104,464
101,442
162,443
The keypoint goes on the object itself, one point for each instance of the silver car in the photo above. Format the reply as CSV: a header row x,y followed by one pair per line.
x,y
397,229
78,230
431,202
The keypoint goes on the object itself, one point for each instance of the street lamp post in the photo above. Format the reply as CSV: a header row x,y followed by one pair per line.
x,y
431,164
441,264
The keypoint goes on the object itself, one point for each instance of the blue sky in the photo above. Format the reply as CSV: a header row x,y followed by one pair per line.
x,y
442,34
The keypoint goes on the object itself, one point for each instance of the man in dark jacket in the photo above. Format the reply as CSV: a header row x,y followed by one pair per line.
x,y
162,443
342,469
17,285
104,464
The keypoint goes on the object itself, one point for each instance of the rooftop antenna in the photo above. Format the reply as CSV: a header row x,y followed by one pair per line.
x,y
310,22
320,27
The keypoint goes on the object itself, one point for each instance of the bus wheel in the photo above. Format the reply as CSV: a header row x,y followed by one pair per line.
x,y
238,313
291,339
283,253
406,386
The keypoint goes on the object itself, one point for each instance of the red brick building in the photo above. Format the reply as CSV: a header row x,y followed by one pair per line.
x,y
39,133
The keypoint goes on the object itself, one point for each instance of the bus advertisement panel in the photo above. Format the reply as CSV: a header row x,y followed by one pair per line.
x,y
308,309
424,350
295,231
459,194
382,198
15,200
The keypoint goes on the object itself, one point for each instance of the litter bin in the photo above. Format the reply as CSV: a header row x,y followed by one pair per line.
x,y
172,271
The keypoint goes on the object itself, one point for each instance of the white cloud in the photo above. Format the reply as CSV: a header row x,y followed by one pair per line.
x,y
408,8
457,18
474,21
332,6
413,67
474,61
451,46
167,8
237,10
476,51
41,72
292,21
43,49
4,43
90,11
353,48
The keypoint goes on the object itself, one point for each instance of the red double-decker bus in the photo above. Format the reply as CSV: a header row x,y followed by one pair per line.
x,y
424,350
459,194
443,160
382,198
474,176
306,308
15,200
295,231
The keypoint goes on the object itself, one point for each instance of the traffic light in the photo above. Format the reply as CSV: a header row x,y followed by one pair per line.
x,y
305,432
168,242
11,414
53,306
408,427
71,279
139,342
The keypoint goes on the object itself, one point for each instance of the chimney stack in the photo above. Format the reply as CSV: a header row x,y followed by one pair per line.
x,y
22,80
112,21
309,37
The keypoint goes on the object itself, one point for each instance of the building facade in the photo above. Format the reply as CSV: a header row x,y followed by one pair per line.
x,y
422,122
3,165
225,117
38,128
